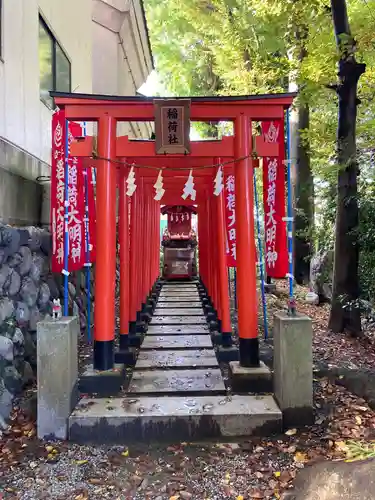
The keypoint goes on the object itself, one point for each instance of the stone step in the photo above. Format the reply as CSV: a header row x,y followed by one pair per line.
x,y
169,342
176,359
178,299
208,380
121,421
178,330
177,311
170,304
178,320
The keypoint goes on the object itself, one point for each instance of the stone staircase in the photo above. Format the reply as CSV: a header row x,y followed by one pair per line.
x,y
177,391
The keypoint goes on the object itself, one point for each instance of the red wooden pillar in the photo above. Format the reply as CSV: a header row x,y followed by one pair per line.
x,y
105,279
202,243
222,271
141,241
246,254
134,216
124,261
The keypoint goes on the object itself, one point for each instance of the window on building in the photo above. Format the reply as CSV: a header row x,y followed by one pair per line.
x,y
54,65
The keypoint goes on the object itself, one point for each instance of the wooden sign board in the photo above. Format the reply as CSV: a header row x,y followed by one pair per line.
x,y
172,126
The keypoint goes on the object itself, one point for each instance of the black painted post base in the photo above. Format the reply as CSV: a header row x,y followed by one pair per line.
x,y
227,354
213,326
216,338
103,355
126,357
137,327
102,383
249,352
130,340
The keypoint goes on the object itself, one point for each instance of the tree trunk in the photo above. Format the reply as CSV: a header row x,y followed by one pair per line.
x,y
345,311
302,177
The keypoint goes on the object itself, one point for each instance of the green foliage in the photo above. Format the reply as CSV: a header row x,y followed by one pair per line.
x,y
254,46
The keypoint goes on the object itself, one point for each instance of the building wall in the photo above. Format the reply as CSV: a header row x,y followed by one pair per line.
x,y
99,64
25,122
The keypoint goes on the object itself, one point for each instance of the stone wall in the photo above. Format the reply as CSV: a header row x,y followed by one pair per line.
x,y
27,289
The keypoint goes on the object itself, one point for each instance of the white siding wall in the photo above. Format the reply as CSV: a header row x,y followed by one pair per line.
x,y
24,119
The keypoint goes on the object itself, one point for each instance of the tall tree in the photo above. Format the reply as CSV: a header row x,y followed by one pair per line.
x,y
345,311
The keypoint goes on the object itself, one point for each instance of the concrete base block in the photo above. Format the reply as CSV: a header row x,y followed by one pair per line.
x,y
227,354
173,419
105,384
293,368
250,379
57,359
135,340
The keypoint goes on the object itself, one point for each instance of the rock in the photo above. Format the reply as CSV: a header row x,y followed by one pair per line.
x,y
29,292
6,399
72,290
14,283
44,296
27,260
12,380
30,348
312,298
335,481
321,275
35,317
53,288
3,256
22,313
37,268
18,338
6,309
6,348
28,374
5,271
9,239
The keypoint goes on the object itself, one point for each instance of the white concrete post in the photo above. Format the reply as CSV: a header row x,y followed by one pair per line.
x,y
57,366
293,368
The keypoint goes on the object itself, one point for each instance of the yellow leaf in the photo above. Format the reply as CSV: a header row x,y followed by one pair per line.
x,y
277,495
300,457
291,432
80,462
175,497
240,497
358,420
125,453
341,446
227,476
277,474
49,449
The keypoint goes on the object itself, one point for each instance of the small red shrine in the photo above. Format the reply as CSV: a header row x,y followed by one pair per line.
x,y
179,243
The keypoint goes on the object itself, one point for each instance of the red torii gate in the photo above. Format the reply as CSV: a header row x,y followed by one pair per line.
x,y
139,243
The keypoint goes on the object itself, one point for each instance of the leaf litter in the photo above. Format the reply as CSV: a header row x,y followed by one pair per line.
x,y
256,468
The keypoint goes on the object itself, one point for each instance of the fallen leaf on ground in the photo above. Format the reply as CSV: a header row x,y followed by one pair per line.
x,y
291,432
300,457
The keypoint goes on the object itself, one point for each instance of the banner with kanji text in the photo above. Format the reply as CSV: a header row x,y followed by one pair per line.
x,y
276,254
71,221
230,220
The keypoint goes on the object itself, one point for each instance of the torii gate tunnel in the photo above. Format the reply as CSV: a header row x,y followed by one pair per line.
x,y
139,215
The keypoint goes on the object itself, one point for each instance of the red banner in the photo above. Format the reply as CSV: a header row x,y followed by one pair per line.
x,y
230,220
92,213
276,255
75,202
